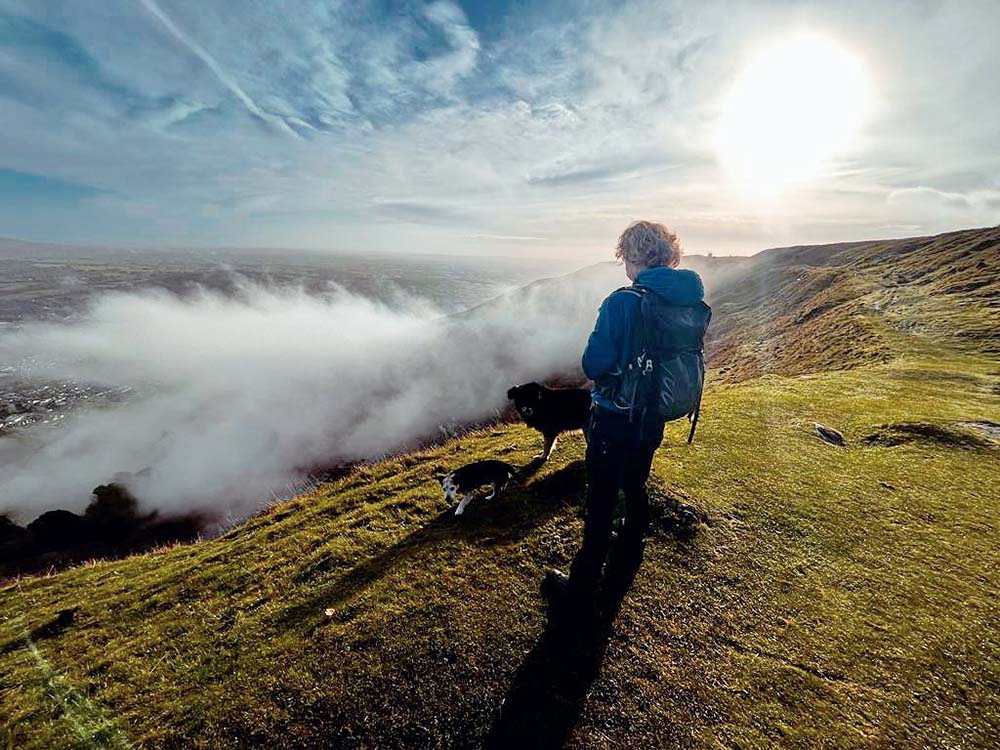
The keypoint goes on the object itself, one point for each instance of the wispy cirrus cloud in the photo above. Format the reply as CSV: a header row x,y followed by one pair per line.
x,y
928,196
447,126
210,62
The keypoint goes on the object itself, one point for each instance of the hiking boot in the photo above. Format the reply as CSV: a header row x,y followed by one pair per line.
x,y
568,603
555,587
623,564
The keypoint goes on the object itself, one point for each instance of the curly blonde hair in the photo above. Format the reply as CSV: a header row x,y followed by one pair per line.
x,y
648,244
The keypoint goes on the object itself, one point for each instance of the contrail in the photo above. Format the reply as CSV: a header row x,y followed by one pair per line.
x,y
213,65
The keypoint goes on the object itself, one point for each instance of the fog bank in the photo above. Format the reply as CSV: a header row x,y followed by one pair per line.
x,y
237,396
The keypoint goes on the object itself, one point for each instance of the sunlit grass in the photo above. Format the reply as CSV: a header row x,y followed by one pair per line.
x,y
841,596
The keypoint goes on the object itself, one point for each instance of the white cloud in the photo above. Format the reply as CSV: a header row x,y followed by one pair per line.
x,y
442,72
236,398
928,197
556,124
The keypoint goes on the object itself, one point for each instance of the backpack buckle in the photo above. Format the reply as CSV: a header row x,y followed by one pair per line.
x,y
645,363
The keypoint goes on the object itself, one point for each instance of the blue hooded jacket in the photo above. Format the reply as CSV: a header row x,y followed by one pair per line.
x,y
609,345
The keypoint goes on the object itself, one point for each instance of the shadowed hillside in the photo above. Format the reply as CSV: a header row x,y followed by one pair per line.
x,y
831,597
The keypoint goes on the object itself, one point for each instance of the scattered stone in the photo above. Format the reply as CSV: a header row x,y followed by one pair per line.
x,y
829,435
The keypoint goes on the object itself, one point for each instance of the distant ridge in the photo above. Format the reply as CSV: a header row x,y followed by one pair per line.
x,y
813,307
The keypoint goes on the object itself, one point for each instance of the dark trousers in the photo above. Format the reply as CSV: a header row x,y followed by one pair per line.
x,y
619,457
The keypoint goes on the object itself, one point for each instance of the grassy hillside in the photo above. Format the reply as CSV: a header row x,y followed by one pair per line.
x,y
808,309
835,597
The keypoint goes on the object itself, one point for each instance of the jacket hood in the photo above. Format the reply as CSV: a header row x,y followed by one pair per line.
x,y
680,286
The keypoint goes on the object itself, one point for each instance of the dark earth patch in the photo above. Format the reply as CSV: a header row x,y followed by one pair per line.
x,y
927,433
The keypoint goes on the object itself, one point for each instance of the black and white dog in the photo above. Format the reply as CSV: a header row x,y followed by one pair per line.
x,y
467,479
551,411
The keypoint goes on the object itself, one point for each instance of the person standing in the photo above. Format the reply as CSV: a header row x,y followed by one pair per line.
x,y
626,427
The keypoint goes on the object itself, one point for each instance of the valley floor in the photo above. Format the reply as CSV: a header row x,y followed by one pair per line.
x,y
837,597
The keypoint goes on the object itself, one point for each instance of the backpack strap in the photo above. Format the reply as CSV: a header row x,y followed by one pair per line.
x,y
638,343
638,291
701,390
693,416
639,346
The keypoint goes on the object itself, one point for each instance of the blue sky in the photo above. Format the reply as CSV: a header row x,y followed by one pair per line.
x,y
488,127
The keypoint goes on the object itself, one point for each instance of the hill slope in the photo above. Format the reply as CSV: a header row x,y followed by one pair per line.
x,y
840,598
806,309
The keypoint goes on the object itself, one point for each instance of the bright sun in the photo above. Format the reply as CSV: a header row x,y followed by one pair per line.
x,y
797,103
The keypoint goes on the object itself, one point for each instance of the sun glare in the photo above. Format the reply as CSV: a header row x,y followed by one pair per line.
x,y
796,104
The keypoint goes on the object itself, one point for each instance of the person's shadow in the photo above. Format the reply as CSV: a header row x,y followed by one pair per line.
x,y
520,509
548,691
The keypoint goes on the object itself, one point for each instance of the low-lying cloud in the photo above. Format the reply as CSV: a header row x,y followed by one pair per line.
x,y
237,397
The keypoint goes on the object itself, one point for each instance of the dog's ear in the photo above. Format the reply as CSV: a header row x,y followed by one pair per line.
x,y
512,393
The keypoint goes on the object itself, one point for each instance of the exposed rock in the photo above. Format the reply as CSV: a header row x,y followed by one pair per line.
x,y
58,528
10,531
829,435
111,526
114,512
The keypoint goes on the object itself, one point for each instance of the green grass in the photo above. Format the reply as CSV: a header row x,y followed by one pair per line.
x,y
839,598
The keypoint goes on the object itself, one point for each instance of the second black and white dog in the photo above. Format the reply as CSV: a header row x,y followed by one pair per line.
x,y
551,411
469,478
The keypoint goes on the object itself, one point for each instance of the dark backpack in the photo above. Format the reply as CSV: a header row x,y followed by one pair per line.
x,y
666,373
